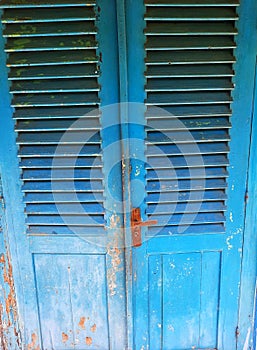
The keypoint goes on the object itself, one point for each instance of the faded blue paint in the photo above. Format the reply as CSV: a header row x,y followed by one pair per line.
x,y
58,305
239,157
247,313
15,218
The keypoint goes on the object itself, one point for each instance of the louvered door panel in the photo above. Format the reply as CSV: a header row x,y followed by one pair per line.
x,y
189,77
53,74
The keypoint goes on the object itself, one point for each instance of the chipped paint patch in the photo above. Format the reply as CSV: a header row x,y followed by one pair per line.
x,y
247,339
238,231
171,328
114,221
231,217
114,253
229,245
137,172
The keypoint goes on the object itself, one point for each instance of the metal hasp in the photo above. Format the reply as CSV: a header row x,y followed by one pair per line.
x,y
136,224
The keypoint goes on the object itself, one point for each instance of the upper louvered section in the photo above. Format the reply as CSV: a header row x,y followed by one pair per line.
x,y
189,68
53,72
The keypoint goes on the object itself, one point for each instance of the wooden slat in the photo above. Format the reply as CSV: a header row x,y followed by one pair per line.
x,y
56,43
206,70
188,42
191,84
47,72
49,86
201,207
191,161
188,123
60,111
44,3
189,57
48,15
49,29
63,186
195,196
187,173
57,124
190,14
55,99
193,28
187,149
182,185
27,59
196,3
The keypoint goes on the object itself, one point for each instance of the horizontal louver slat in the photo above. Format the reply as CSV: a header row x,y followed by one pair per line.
x,y
189,68
188,42
189,14
192,2
44,3
193,28
49,29
53,72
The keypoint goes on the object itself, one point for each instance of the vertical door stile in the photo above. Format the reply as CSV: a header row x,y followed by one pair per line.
x,y
125,159
245,107
136,91
110,134
237,181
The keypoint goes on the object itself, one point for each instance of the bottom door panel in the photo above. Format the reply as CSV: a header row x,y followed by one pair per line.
x,y
184,300
72,300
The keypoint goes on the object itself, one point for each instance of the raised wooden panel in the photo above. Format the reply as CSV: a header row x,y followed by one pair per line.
x,y
72,299
184,300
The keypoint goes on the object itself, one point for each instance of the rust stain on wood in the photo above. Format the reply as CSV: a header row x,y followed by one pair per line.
x,y
82,322
3,340
93,328
8,311
10,299
65,337
89,341
34,342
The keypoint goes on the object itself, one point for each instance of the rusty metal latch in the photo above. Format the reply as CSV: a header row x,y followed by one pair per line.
x,y
136,224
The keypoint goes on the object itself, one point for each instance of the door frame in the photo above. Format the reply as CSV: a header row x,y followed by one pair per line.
x,y
245,143
240,144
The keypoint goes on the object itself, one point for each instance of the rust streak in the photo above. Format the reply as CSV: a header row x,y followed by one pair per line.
x,y
10,300
8,311
89,341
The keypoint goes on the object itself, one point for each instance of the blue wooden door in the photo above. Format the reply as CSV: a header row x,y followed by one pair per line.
x,y
59,65
107,106
189,157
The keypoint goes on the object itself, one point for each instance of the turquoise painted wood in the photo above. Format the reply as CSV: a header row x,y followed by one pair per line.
x,y
189,280
188,163
60,233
